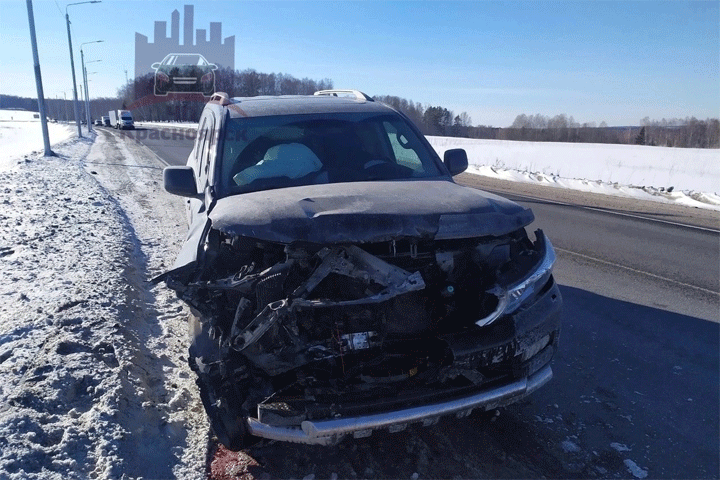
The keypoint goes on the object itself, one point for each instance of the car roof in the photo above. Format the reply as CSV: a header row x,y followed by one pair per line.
x,y
239,107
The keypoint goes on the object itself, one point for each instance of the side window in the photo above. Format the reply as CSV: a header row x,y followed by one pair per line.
x,y
206,146
199,140
404,154
212,153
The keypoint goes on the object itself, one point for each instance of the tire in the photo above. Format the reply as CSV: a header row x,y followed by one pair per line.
x,y
224,411
230,429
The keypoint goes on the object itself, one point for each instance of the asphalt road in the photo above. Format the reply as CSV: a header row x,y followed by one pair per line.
x,y
636,389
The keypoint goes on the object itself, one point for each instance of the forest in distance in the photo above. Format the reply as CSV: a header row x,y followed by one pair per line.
x,y
431,119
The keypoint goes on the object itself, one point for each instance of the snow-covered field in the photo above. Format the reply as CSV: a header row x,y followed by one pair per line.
x,y
636,171
691,175
25,136
94,381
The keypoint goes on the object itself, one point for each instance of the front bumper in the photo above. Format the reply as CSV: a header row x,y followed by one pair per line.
x,y
329,432
532,334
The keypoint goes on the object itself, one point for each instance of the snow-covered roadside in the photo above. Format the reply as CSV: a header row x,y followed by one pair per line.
x,y
23,137
634,171
93,374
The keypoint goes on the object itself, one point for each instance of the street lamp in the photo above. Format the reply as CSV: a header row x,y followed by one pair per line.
x,y
87,97
65,105
72,64
87,84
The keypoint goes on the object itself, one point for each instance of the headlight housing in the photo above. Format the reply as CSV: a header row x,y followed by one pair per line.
x,y
525,288
512,297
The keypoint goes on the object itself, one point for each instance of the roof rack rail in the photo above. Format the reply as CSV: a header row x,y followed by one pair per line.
x,y
334,93
220,97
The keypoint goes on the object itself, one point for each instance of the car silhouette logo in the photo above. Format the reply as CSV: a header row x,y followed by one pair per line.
x,y
186,73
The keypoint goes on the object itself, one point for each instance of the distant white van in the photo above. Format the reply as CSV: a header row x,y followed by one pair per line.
x,y
121,119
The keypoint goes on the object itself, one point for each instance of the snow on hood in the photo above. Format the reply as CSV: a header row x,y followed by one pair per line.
x,y
368,212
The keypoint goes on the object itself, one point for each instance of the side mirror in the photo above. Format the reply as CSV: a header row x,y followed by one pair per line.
x,y
180,181
213,66
456,161
155,65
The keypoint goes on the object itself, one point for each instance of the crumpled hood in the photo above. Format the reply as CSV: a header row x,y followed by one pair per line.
x,y
362,212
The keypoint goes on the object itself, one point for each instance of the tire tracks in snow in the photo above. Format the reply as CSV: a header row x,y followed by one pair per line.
x,y
159,405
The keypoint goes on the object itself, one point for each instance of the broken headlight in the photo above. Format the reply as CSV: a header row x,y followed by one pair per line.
x,y
525,288
510,298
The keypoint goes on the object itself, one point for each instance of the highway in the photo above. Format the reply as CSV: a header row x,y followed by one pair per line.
x,y
636,378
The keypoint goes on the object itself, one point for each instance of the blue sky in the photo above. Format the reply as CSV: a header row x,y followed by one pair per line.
x,y
617,61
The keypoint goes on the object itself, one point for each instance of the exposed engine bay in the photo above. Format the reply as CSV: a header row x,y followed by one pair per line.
x,y
295,332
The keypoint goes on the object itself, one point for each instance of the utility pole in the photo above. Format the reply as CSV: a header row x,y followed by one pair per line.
x,y
87,106
72,64
87,96
38,81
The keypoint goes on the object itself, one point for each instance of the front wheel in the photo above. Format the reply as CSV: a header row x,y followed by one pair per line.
x,y
222,402
230,429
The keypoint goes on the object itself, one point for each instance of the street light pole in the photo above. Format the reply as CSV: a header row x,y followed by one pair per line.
x,y
72,65
87,88
38,81
87,97
87,106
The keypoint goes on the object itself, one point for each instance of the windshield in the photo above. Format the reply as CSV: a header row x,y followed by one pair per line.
x,y
271,152
185,60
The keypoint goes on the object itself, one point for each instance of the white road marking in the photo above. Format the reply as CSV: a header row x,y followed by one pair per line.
x,y
634,270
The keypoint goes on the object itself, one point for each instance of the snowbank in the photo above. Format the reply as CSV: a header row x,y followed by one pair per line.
x,y
627,170
94,381
22,137
10,115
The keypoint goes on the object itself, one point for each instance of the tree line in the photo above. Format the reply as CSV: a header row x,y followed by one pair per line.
x,y
432,120
687,133
236,83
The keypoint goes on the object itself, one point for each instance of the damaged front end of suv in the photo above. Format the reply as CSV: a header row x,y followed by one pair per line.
x,y
310,341
341,282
